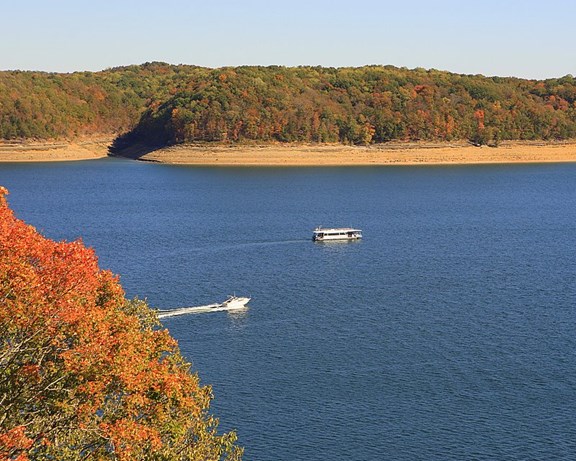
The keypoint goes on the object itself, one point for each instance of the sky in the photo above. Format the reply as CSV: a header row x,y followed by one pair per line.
x,y
521,38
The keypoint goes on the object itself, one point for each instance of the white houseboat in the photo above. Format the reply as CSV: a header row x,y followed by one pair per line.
x,y
342,233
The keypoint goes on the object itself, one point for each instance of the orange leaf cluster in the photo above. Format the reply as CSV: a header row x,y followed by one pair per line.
x,y
479,116
83,370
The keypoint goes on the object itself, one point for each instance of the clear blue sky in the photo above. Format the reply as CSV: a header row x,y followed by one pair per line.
x,y
524,38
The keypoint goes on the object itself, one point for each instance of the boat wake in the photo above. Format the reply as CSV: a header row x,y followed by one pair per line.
x,y
233,303
263,243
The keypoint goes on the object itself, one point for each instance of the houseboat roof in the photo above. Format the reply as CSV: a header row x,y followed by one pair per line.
x,y
330,230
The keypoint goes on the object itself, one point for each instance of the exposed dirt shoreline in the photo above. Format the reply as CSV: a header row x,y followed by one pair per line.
x,y
397,153
55,151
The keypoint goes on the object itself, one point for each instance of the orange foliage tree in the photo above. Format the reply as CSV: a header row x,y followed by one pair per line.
x,y
85,373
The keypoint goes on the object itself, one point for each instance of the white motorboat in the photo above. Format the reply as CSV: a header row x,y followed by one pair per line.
x,y
234,302
231,303
341,233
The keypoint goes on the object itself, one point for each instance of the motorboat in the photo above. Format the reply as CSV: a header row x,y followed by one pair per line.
x,y
231,303
234,302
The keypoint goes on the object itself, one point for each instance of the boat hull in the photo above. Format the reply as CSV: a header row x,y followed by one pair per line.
x,y
333,238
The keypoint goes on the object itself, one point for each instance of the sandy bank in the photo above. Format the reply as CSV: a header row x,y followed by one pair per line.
x,y
386,154
398,153
29,151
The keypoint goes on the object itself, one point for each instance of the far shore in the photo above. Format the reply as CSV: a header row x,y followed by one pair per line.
x,y
54,151
306,155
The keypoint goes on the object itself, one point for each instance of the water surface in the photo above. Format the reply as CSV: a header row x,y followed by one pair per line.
x,y
446,334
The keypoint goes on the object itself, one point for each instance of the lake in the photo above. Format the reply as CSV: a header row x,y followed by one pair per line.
x,y
447,333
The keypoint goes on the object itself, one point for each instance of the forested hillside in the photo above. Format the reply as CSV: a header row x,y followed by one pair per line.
x,y
162,104
43,105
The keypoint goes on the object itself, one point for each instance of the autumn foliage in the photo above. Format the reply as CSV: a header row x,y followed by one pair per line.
x,y
159,104
85,373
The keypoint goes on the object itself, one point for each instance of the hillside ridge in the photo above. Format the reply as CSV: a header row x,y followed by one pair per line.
x,y
157,105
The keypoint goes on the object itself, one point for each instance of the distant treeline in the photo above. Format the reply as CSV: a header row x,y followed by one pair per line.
x,y
161,104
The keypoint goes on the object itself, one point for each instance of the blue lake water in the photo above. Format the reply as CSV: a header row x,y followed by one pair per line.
x,y
448,333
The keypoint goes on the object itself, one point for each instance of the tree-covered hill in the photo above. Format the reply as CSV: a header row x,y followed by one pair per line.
x,y
42,105
162,104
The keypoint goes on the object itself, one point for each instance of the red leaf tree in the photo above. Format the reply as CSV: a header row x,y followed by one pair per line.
x,y
85,373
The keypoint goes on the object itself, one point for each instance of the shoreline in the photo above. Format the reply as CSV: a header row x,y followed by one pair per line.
x,y
379,155
54,151
303,155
